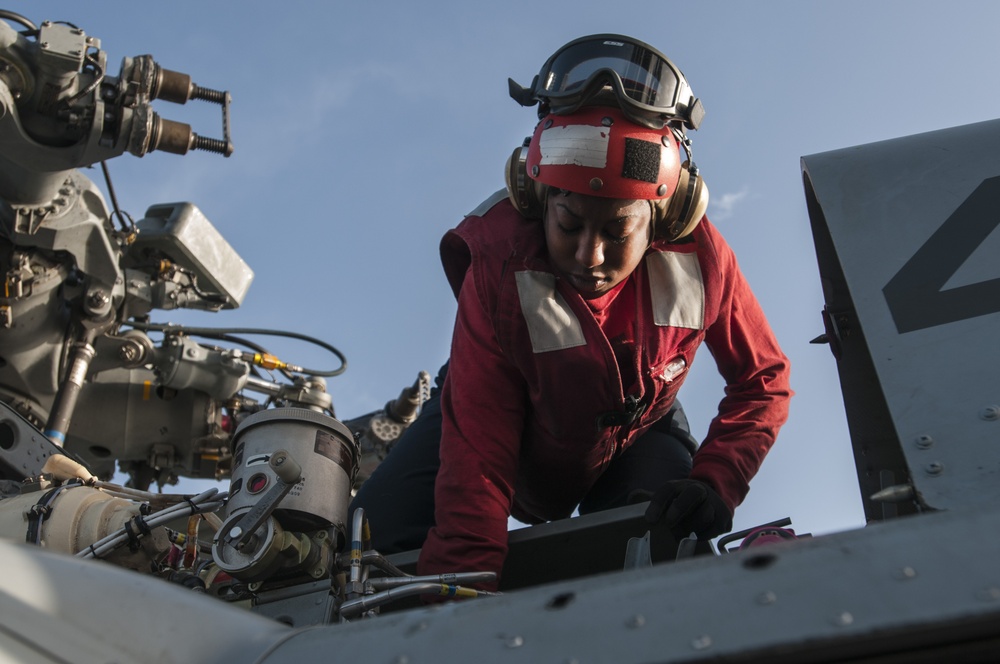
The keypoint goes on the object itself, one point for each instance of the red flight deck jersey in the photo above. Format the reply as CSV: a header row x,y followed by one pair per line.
x,y
534,406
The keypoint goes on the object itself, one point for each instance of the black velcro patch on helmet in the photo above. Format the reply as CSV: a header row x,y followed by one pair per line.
x,y
642,160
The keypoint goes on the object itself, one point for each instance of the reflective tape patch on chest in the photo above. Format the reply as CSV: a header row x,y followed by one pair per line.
x,y
677,289
552,325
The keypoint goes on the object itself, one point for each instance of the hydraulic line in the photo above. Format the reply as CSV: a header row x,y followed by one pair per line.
x,y
353,607
207,501
65,402
223,332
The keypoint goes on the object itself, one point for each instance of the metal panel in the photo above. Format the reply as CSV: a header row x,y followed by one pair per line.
x,y
910,223
23,448
904,590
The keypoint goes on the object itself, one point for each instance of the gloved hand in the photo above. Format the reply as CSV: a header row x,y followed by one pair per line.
x,y
687,506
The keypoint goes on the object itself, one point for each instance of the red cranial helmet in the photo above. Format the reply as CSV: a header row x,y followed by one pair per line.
x,y
599,152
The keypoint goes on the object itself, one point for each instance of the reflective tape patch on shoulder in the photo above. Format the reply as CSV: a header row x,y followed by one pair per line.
x,y
488,204
677,289
552,325
579,145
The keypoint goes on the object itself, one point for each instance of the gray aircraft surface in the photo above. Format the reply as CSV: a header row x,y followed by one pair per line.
x,y
275,570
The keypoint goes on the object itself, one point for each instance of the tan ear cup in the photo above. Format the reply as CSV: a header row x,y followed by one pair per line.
x,y
527,195
681,212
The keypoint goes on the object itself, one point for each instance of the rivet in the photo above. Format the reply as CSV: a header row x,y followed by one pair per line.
x,y
513,641
419,627
548,123
766,598
534,171
934,468
990,413
661,190
702,642
906,573
666,141
924,441
843,619
596,184
636,621
607,122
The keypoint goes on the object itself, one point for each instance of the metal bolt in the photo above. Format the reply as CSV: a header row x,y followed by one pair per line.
x,y
924,441
906,573
990,413
607,122
236,532
128,352
934,468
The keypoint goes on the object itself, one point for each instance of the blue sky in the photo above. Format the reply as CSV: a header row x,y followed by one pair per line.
x,y
364,131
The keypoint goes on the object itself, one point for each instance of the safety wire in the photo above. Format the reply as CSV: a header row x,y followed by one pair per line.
x,y
129,228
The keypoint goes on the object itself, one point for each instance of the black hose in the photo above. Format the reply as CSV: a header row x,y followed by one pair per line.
x,y
214,333
17,18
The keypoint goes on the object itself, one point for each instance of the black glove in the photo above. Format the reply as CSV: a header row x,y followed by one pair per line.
x,y
690,506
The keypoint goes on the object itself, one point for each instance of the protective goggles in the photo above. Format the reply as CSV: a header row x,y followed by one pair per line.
x,y
649,88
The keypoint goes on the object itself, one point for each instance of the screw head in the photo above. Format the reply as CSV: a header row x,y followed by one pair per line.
x,y
990,413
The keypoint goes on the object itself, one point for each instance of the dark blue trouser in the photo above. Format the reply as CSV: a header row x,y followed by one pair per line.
x,y
398,498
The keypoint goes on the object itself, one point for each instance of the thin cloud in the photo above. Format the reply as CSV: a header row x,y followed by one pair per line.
x,y
724,206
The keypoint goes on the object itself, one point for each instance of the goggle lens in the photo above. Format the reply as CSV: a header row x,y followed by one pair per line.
x,y
643,75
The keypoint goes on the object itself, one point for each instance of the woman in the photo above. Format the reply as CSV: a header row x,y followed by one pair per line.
x,y
584,291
